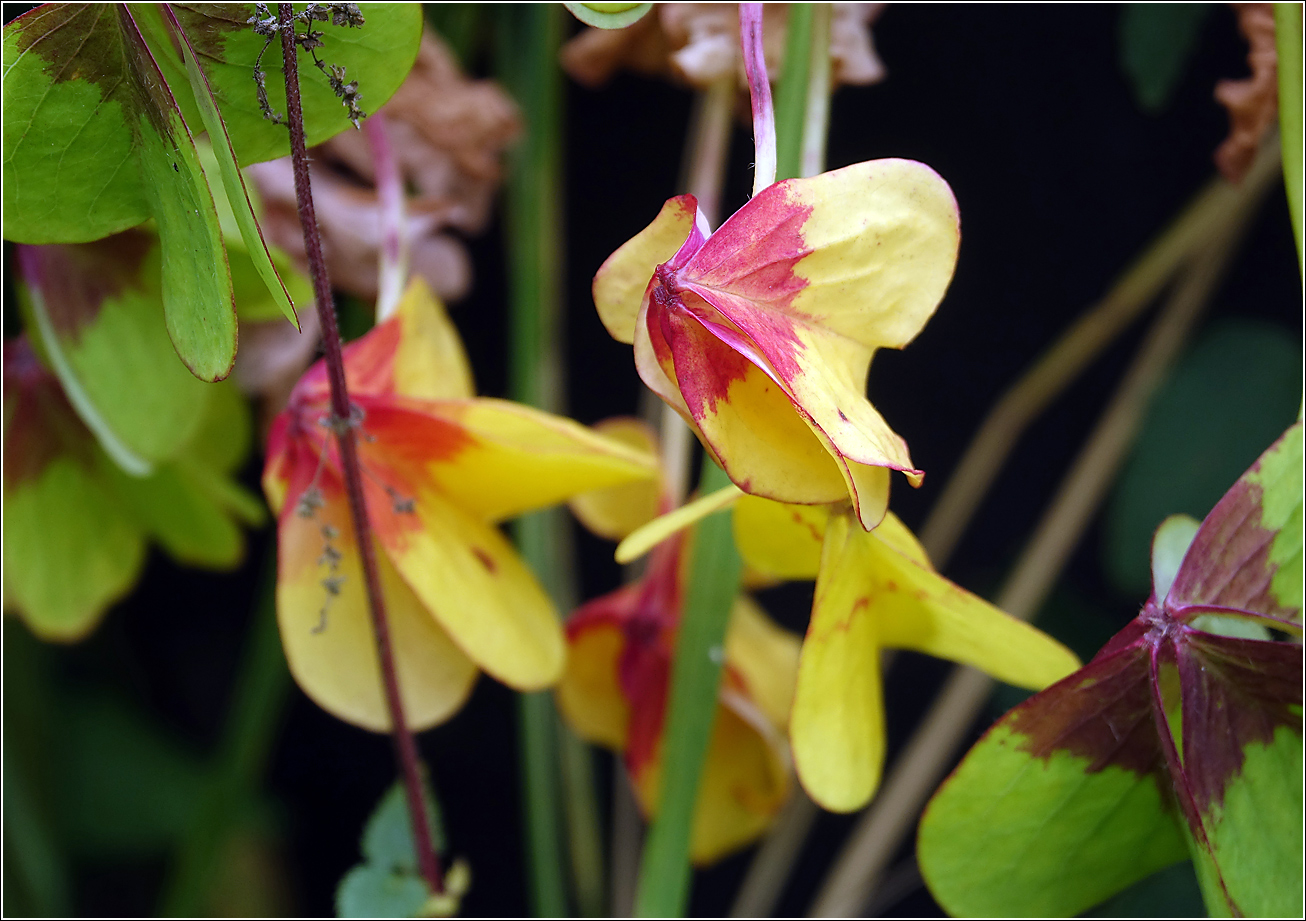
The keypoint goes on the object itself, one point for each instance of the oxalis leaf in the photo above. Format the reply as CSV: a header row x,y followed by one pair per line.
x,y
1171,740
388,883
100,104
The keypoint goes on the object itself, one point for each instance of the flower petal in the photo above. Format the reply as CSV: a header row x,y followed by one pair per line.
x,y
430,363
837,724
645,538
328,637
921,610
865,252
618,510
746,421
620,282
589,696
470,578
765,657
745,781
778,539
508,458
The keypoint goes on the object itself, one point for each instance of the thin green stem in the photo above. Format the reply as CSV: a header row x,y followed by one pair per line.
x,y
791,95
258,702
1288,43
528,40
692,704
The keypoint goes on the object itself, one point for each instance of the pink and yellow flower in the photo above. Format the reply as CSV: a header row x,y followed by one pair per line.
x,y
761,334
614,690
441,467
614,693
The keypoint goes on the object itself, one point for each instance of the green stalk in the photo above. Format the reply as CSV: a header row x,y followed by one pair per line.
x,y
692,703
528,40
1288,43
258,702
791,96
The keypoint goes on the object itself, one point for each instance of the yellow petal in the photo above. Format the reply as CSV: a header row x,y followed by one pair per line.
x,y
519,459
765,657
430,363
469,577
745,782
615,512
779,539
333,656
642,540
920,610
620,282
589,695
837,724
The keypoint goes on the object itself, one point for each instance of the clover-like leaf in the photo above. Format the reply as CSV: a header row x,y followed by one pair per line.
x,y
1075,793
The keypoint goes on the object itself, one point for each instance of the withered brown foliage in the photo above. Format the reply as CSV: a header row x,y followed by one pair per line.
x,y
1253,102
698,43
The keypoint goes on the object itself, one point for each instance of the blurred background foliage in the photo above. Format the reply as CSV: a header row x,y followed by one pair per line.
x,y
166,763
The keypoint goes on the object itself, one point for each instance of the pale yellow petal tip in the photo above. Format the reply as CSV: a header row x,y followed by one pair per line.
x,y
915,477
837,788
644,539
615,512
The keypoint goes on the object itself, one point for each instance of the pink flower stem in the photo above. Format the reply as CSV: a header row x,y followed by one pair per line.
x,y
390,217
759,90
341,411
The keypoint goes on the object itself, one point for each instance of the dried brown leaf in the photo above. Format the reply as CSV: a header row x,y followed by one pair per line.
x,y
1253,103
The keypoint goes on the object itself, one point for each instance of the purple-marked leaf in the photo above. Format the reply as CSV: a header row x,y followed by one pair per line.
x,y
1231,705
1236,558
1059,805
84,97
96,311
232,181
1242,739
70,549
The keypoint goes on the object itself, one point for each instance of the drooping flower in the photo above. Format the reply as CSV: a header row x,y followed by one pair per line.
x,y
761,334
440,468
614,690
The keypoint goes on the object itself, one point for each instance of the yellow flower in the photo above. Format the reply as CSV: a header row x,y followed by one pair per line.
x,y
440,468
874,590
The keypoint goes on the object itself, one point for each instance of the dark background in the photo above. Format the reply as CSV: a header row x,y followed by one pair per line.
x,y
1061,179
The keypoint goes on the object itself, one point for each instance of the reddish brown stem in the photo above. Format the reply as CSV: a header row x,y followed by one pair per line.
x,y
405,745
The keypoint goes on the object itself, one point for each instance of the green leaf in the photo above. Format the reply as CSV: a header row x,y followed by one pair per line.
x,y
1230,395
232,184
388,838
1169,546
59,518
1256,832
609,15
378,55
1168,893
1156,42
1279,476
367,891
97,313
69,148
83,94
1032,824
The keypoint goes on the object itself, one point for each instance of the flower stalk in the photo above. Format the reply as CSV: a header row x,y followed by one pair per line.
x,y
344,425
759,91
